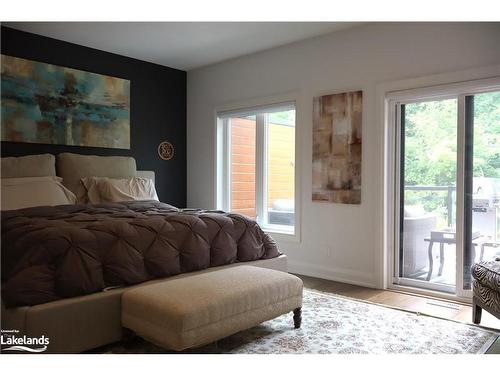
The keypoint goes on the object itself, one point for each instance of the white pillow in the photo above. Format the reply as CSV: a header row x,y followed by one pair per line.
x,y
27,192
108,190
416,210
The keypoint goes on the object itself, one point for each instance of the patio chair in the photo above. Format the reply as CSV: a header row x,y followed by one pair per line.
x,y
417,225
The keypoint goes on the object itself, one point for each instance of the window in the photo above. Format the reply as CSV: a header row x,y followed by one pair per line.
x,y
256,165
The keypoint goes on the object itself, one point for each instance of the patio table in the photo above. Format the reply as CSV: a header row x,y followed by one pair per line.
x,y
481,241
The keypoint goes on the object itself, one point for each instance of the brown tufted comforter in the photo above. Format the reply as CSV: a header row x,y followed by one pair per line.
x,y
49,253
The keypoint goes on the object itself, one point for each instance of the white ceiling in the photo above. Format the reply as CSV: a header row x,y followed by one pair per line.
x,y
181,45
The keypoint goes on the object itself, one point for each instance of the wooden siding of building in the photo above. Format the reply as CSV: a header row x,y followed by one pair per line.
x,y
281,141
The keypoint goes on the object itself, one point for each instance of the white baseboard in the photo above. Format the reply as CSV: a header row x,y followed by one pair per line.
x,y
334,274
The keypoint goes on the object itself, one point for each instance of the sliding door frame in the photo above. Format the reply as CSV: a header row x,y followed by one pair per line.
x,y
393,107
399,106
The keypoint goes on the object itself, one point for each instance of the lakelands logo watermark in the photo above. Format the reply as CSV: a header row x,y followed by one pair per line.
x,y
12,342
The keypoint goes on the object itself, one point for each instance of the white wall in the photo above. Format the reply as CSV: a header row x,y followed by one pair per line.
x,y
339,242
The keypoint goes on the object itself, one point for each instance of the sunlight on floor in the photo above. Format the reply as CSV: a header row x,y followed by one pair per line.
x,y
406,301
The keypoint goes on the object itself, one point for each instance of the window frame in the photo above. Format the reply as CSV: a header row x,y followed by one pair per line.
x,y
222,160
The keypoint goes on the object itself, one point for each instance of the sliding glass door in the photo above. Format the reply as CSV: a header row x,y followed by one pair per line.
x,y
447,185
482,180
428,180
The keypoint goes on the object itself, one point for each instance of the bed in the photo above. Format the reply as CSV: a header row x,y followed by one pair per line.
x,y
64,267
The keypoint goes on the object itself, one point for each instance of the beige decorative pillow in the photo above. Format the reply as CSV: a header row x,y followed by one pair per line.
x,y
33,192
108,190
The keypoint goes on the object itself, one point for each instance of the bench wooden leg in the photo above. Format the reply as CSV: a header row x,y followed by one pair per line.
x,y
476,313
297,317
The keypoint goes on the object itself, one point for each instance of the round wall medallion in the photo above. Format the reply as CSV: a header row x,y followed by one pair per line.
x,y
166,150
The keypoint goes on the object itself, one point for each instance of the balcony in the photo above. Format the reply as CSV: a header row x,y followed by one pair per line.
x,y
430,221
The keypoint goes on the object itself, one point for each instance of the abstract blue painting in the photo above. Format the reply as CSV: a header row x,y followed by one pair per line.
x,y
45,103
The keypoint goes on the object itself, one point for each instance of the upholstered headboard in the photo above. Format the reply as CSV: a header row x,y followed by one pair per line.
x,y
72,167
29,166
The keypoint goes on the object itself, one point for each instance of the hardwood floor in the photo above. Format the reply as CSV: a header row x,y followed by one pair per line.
x,y
411,302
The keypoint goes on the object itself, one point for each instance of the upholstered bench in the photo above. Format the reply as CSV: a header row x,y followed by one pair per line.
x,y
193,311
486,289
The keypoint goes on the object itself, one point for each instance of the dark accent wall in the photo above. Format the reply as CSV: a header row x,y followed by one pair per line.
x,y
157,107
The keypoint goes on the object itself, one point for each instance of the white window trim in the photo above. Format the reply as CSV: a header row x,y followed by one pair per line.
x,y
456,84
222,180
261,169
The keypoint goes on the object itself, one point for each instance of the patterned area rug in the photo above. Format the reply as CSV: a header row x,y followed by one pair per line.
x,y
335,324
